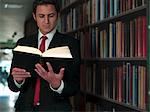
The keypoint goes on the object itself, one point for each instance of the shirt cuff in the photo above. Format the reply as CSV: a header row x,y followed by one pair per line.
x,y
60,89
19,85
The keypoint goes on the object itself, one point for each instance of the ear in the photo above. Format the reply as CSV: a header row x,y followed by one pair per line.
x,y
34,16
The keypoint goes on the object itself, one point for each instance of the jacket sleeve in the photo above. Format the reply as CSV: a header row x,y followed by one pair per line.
x,y
72,72
11,84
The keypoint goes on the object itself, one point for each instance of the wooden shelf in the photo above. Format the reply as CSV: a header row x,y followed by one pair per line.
x,y
122,16
69,6
114,60
119,106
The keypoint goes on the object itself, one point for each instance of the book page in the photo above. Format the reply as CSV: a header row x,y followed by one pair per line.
x,y
58,52
27,49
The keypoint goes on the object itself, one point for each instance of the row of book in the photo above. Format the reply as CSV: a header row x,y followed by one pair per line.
x,y
118,4
125,83
107,8
65,3
92,107
93,11
117,39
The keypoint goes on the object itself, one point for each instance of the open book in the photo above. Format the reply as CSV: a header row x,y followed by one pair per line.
x,y
57,52
26,57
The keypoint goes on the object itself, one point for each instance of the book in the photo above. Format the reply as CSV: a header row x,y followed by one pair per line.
x,y
26,57
57,52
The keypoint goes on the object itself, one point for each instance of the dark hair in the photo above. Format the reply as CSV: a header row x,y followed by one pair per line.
x,y
44,2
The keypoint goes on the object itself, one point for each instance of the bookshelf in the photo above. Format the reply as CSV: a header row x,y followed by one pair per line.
x,y
115,52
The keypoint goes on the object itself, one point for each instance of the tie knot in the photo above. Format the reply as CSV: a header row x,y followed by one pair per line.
x,y
44,37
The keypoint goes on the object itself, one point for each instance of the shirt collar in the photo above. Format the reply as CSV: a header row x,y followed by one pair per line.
x,y
49,35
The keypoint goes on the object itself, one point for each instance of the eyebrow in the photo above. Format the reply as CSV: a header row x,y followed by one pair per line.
x,y
47,14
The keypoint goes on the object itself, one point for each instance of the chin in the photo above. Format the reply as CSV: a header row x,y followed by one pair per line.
x,y
46,31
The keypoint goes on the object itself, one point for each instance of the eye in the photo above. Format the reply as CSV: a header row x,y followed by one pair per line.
x,y
41,16
51,15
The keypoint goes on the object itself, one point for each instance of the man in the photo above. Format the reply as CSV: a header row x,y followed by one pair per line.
x,y
55,88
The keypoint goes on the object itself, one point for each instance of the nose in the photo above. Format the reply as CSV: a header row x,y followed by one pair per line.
x,y
46,19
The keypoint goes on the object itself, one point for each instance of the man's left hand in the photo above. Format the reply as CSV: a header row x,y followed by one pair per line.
x,y
51,77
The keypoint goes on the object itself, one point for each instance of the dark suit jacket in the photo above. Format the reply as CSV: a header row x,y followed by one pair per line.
x,y
49,100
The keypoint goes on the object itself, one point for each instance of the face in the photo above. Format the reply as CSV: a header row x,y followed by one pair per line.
x,y
46,17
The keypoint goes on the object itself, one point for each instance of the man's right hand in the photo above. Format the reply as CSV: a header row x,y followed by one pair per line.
x,y
20,74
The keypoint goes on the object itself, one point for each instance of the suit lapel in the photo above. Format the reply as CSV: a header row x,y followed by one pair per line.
x,y
34,41
56,40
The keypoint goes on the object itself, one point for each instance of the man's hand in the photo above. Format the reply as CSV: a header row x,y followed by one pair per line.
x,y
19,74
51,77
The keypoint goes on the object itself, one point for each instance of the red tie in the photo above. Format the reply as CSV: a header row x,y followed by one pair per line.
x,y
37,86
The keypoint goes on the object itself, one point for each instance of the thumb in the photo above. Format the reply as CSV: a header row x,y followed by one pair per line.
x,y
61,73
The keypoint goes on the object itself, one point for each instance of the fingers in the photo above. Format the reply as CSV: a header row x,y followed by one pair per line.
x,y
40,70
49,75
39,67
51,69
19,71
49,66
61,73
20,74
